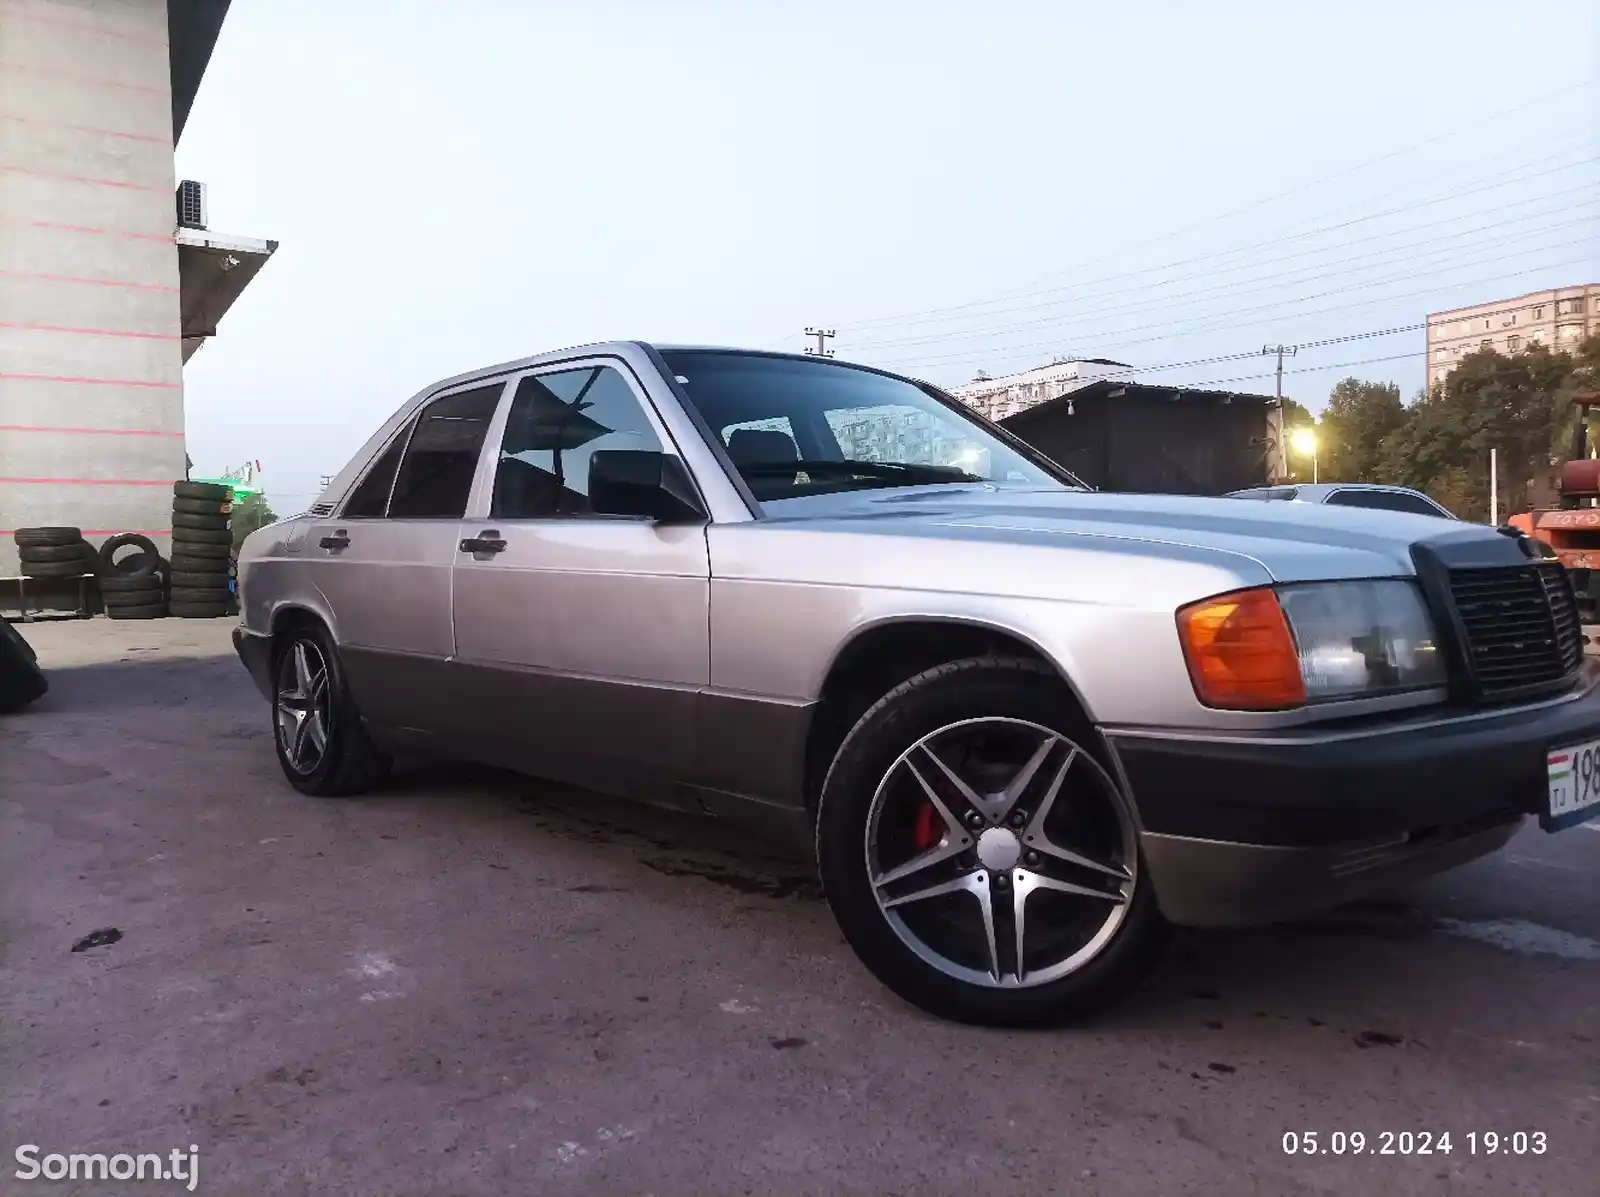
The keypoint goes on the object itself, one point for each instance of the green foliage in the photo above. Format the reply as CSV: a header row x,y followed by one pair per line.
x,y
1355,426
250,513
1519,406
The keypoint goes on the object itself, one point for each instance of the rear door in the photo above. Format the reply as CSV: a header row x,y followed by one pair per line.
x,y
383,565
582,640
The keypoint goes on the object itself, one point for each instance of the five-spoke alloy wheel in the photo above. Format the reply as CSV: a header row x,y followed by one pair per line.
x,y
322,743
979,857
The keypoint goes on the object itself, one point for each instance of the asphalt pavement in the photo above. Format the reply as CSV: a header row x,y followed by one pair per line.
x,y
473,983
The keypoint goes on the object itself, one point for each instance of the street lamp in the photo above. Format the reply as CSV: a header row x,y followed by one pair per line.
x,y
1304,442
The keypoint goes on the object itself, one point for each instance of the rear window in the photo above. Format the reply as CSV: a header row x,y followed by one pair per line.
x,y
1266,492
1387,500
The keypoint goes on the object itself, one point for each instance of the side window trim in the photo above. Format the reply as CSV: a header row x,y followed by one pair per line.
x,y
482,504
476,384
402,437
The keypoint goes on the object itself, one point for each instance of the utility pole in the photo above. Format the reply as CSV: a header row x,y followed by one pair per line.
x,y
1282,433
823,335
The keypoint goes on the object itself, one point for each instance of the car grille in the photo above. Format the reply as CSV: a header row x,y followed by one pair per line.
x,y
1521,626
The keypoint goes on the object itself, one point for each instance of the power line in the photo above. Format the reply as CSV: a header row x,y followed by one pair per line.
x,y
1273,281
1499,181
1126,371
1172,327
1476,128
1499,176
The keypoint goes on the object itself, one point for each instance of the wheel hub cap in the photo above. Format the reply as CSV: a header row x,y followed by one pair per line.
x,y
999,849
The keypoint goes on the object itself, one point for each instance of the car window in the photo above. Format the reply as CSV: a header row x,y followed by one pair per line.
x,y
435,477
1384,500
371,495
1265,493
795,427
556,422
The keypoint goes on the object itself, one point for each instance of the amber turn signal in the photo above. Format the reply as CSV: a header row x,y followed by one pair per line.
x,y
1241,653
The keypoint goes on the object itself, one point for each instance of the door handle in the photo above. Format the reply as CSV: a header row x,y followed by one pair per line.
x,y
339,540
488,542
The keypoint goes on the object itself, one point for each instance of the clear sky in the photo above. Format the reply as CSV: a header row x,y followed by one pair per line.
x,y
952,186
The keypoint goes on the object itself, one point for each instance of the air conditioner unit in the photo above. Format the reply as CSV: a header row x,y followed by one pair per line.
x,y
191,205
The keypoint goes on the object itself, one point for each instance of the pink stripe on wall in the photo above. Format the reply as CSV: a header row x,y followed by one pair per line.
x,y
86,431
110,531
84,179
87,80
86,282
28,120
23,15
89,332
88,481
93,382
164,238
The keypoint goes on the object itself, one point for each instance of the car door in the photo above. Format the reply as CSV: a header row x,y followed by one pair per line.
x,y
383,564
581,639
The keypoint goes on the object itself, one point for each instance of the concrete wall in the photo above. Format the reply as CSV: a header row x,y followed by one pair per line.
x,y
91,382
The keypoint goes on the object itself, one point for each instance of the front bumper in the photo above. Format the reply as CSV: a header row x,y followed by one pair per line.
x,y
1252,828
255,650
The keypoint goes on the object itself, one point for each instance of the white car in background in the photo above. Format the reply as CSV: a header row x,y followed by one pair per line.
x,y
1349,494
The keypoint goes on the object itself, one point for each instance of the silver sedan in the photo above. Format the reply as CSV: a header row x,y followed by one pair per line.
x,y
1027,727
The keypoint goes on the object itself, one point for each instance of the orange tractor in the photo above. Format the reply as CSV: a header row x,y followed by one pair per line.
x,y
1572,528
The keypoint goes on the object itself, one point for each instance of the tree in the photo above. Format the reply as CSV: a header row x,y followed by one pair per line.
x,y
1515,405
1359,419
250,513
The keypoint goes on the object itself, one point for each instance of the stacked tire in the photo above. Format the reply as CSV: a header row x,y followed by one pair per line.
x,y
202,542
54,552
132,586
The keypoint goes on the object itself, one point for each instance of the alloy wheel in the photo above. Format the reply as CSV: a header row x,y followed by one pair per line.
x,y
1001,853
303,710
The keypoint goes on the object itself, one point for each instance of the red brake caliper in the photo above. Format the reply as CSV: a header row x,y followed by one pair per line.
x,y
929,829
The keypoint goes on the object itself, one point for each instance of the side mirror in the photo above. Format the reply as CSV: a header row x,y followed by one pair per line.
x,y
642,482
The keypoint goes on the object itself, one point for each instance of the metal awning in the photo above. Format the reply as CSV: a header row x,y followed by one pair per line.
x,y
213,271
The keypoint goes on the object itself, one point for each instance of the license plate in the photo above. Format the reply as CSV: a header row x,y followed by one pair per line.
x,y
1574,786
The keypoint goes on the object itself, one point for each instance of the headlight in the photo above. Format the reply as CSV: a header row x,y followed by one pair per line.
x,y
1357,639
1271,649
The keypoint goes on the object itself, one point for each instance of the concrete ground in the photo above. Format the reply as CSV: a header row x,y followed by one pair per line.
x,y
477,984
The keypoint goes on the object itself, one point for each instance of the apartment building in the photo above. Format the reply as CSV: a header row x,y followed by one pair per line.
x,y
1558,319
1009,394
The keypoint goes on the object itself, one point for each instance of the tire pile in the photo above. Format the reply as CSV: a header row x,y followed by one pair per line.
x,y
202,541
133,586
54,553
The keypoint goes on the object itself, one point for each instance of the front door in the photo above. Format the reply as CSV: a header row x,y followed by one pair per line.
x,y
384,564
582,639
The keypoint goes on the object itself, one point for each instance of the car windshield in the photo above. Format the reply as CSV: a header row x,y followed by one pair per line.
x,y
793,427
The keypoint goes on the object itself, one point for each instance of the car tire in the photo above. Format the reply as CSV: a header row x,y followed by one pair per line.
x,y
214,492
347,761
21,680
75,567
209,523
114,584
199,580
156,610
185,537
184,564
200,594
37,554
144,562
983,713
188,550
27,538
202,507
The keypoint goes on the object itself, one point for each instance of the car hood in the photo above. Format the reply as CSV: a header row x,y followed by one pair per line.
x,y
1293,542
